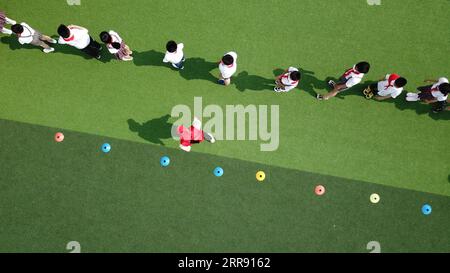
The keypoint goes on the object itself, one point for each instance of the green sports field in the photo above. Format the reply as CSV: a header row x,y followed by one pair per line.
x,y
124,201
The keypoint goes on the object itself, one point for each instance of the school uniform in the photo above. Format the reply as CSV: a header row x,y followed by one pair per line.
x,y
29,36
429,92
286,81
80,39
228,70
123,51
351,77
176,58
387,87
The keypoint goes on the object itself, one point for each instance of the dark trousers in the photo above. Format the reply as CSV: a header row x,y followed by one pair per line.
x,y
424,88
425,92
374,88
93,49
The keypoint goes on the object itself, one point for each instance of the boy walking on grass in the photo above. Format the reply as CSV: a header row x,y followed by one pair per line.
x,y
175,54
79,38
350,78
27,35
288,80
389,87
437,92
227,67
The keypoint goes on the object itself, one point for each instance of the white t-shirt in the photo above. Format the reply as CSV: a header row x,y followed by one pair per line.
x,y
228,70
26,36
388,89
287,81
353,77
436,93
115,38
175,57
79,37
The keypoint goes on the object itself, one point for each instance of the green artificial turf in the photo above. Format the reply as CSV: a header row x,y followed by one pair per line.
x,y
390,143
124,201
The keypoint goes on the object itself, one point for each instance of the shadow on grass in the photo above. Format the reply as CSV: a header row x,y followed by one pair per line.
x,y
153,130
194,68
150,58
244,81
14,44
198,69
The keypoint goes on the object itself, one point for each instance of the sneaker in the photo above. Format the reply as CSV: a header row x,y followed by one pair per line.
x,y
212,139
331,83
319,97
127,59
48,50
53,41
411,98
185,148
277,89
98,57
410,94
222,82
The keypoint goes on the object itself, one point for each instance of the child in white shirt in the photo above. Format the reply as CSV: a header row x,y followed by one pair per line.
x,y
28,35
116,45
175,54
390,86
350,78
438,92
79,38
227,67
288,80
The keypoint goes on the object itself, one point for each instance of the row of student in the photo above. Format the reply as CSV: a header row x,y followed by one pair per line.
x,y
391,86
72,35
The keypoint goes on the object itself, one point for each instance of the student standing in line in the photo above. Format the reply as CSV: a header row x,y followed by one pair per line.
x,y
79,38
28,35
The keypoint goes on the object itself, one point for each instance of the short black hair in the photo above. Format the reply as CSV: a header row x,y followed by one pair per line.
x,y
63,31
363,67
171,46
116,45
105,37
227,59
444,88
17,28
400,82
295,75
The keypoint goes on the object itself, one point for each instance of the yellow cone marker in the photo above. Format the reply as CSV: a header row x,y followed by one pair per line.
x,y
260,176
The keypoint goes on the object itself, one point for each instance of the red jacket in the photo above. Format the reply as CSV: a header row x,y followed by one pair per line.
x,y
190,136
